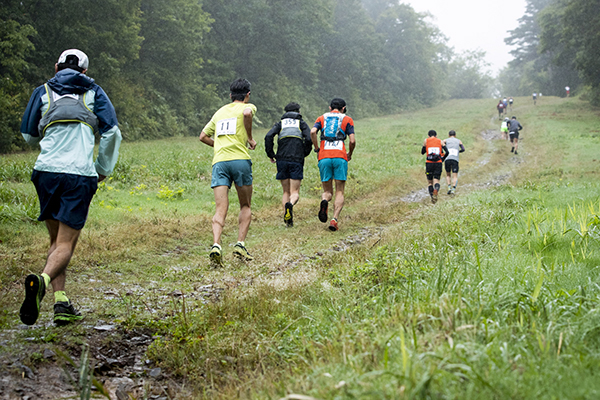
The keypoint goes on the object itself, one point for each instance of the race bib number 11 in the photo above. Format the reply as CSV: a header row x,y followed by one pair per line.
x,y
227,126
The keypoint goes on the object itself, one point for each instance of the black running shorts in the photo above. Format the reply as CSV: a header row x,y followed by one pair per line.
x,y
433,170
451,166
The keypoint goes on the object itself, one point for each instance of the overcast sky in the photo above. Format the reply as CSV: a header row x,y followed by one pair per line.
x,y
476,24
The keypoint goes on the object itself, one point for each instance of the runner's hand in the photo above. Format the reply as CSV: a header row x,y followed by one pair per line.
x,y
251,144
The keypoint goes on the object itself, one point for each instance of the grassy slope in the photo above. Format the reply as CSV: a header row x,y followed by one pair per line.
x,y
490,294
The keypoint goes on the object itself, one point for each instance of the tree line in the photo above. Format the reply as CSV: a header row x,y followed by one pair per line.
x,y
556,45
167,65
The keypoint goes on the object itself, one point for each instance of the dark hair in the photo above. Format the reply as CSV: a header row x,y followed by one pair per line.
x,y
337,104
72,62
513,117
452,133
292,107
432,133
239,89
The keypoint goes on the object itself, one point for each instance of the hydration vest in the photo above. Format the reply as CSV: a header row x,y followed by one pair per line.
x,y
67,108
290,127
332,128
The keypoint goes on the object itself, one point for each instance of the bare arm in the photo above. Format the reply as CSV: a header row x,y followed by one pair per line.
x,y
351,146
204,138
248,127
313,138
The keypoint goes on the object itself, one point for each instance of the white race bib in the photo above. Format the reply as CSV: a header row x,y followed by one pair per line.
x,y
290,122
227,126
433,150
335,145
453,152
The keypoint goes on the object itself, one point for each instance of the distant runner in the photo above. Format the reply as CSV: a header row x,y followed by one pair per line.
x,y
534,98
514,127
436,151
500,108
335,128
510,103
455,147
504,129
229,131
293,145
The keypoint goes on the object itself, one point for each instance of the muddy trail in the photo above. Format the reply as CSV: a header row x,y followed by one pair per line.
x,y
45,364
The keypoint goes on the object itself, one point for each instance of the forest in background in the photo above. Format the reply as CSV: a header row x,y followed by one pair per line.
x,y
555,45
167,65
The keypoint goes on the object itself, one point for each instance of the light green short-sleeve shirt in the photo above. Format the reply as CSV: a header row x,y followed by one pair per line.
x,y
226,127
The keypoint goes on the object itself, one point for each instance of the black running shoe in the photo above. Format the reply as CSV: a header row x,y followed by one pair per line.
x,y
65,313
516,153
512,150
35,289
323,211
288,216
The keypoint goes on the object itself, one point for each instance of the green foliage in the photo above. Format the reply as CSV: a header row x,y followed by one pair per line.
x,y
15,44
167,66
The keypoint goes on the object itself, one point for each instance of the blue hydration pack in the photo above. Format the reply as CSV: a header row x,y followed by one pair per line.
x,y
332,129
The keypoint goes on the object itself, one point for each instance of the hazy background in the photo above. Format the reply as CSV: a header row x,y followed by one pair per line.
x,y
475,24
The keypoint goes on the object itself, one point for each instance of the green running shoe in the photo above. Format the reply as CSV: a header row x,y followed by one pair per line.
x,y
241,252
35,289
288,216
216,257
65,313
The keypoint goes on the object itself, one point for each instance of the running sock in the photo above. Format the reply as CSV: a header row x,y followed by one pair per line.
x,y
241,243
60,296
46,278
218,245
437,186
430,188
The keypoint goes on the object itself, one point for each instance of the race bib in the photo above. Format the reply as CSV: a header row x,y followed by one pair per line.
x,y
453,152
433,150
290,122
227,126
335,145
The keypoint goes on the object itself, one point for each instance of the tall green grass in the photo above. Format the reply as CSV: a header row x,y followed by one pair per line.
x,y
491,294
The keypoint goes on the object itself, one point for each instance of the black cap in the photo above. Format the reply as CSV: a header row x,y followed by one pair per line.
x,y
337,104
292,107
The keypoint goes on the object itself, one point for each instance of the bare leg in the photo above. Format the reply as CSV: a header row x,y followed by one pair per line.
x,y
327,190
339,198
63,240
221,207
285,185
245,217
294,191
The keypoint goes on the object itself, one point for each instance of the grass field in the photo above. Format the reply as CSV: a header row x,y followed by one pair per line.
x,y
493,293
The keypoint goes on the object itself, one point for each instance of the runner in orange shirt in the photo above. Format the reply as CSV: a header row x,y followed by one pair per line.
x,y
437,152
333,157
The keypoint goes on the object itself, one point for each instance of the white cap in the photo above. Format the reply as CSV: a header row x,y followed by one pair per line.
x,y
82,58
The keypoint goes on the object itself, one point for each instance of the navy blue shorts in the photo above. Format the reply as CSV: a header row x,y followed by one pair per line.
x,y
290,170
64,197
